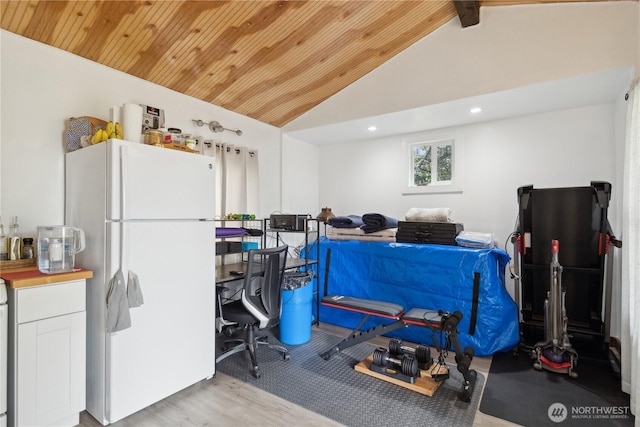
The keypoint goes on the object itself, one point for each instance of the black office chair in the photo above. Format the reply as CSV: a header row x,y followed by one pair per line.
x,y
259,305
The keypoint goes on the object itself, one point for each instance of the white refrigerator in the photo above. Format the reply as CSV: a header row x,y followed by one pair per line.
x,y
162,203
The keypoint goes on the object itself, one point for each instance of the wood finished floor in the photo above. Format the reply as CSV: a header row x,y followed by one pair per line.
x,y
226,401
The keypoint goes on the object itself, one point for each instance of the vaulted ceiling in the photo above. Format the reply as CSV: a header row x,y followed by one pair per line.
x,y
269,60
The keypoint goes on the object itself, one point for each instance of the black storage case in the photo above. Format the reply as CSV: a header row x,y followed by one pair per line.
x,y
442,233
223,248
577,218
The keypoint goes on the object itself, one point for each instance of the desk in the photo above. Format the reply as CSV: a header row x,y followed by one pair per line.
x,y
223,272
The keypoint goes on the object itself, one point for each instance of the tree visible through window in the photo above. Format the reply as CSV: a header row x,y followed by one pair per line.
x,y
431,169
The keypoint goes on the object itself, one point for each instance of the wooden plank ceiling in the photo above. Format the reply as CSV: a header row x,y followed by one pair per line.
x,y
270,60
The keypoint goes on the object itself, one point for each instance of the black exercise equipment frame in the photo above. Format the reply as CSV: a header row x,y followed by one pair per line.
x,y
577,217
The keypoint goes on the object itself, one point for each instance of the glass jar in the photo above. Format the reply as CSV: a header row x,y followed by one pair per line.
x,y
175,135
155,137
27,248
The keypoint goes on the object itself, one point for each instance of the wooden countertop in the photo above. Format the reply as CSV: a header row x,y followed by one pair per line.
x,y
31,276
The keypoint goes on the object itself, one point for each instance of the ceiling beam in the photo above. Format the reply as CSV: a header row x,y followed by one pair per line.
x,y
468,12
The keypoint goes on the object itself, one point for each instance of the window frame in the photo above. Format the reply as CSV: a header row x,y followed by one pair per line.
x,y
434,140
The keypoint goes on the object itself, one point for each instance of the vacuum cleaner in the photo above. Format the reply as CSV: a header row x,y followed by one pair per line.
x,y
555,353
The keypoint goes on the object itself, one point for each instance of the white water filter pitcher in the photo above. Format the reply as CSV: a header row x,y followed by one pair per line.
x,y
57,248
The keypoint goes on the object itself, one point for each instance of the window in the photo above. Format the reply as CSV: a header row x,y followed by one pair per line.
x,y
432,162
433,165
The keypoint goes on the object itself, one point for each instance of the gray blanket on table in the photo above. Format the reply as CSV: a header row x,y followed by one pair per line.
x,y
375,222
349,221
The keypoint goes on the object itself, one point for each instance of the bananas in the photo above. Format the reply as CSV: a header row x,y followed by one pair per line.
x,y
112,131
99,136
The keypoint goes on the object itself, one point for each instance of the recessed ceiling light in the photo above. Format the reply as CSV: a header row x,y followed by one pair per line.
x,y
372,128
475,110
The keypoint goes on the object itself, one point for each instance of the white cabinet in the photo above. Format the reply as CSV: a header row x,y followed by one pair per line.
x,y
47,362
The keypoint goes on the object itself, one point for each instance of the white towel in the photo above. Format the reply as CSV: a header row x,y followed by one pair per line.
x,y
429,214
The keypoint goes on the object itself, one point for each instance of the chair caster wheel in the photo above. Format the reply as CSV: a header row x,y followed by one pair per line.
x,y
257,373
537,366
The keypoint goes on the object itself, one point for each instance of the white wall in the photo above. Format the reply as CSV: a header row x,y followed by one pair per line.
x,y
42,87
513,46
556,149
301,177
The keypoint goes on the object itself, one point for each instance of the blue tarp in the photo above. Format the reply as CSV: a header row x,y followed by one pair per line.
x,y
434,277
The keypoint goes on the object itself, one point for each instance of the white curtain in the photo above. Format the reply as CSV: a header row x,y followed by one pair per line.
x,y
219,178
630,292
236,180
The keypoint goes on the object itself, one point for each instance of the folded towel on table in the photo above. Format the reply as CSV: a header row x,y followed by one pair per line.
x,y
349,221
375,222
428,214
472,239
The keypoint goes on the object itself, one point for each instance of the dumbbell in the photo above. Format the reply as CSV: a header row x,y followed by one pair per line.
x,y
407,365
422,353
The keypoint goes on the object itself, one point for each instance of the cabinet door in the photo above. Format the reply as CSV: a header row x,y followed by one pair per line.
x,y
51,369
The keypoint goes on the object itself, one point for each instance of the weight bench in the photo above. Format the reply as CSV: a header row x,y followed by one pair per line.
x,y
369,308
435,321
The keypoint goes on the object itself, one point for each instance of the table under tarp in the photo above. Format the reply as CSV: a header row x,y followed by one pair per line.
x,y
435,277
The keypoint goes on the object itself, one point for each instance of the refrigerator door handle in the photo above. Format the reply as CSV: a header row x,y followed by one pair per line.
x,y
123,180
123,186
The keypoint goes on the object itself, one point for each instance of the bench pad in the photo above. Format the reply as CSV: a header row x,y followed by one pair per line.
x,y
420,315
382,308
